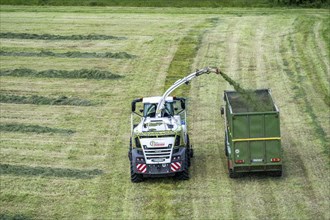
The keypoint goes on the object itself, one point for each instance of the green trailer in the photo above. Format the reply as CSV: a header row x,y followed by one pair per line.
x,y
252,133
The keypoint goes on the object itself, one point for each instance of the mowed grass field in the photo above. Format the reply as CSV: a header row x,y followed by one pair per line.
x,y
65,110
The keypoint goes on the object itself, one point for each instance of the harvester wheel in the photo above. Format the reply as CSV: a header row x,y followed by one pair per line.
x,y
184,175
191,151
135,178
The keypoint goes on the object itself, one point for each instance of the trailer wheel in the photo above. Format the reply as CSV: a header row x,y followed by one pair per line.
x,y
184,175
232,174
135,178
226,150
276,173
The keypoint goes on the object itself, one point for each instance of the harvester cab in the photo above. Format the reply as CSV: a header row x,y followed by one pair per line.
x,y
159,143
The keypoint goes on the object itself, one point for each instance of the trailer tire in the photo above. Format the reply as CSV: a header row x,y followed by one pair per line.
x,y
135,178
232,174
276,173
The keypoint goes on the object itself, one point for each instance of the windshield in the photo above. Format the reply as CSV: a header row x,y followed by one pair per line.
x,y
149,109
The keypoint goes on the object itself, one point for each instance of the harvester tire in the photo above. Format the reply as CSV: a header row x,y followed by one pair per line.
x,y
135,178
184,175
191,150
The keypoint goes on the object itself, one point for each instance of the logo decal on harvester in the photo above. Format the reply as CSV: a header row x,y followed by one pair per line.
x,y
142,168
175,166
157,144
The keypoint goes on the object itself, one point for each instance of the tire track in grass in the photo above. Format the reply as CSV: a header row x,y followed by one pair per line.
x,y
241,38
232,63
263,182
316,64
295,181
307,201
173,201
297,71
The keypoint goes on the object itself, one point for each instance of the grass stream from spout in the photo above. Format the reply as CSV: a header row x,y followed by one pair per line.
x,y
248,98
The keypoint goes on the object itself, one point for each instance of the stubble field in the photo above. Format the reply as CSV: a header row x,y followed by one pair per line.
x,y
68,75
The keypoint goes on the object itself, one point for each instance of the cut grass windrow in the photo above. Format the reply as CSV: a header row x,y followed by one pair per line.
x,y
42,100
25,128
16,216
11,35
291,69
185,54
73,74
21,170
71,54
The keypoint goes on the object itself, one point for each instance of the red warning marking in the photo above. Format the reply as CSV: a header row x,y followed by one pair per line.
x,y
175,166
142,168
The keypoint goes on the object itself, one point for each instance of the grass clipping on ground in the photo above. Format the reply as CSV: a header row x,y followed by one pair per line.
x,y
73,74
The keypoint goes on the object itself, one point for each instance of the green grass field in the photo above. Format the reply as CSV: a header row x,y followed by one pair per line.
x,y
67,161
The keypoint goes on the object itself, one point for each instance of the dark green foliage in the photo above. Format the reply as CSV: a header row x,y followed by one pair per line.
x,y
304,3
41,100
21,170
73,74
14,217
24,128
172,3
11,35
72,54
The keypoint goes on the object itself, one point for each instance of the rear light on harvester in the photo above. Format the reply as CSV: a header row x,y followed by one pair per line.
x,y
176,158
239,161
275,160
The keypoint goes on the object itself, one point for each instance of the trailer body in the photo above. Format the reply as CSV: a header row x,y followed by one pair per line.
x,y
252,133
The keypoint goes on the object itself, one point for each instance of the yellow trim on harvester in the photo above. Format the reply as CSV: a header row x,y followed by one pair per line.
x,y
257,139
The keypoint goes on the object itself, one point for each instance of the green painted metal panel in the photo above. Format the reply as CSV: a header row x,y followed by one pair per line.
x,y
257,150
241,151
273,150
257,126
272,125
241,126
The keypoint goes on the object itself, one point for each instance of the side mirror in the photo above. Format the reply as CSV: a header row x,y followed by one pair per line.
x,y
133,106
134,103
222,110
183,104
